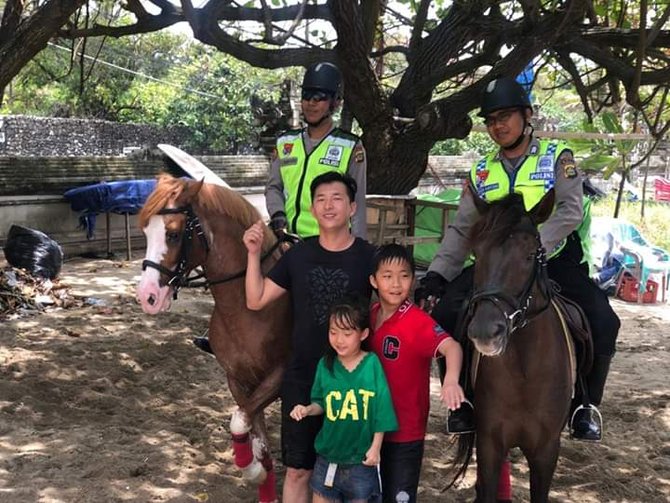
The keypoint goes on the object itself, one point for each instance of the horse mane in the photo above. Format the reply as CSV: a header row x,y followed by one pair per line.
x,y
500,219
213,199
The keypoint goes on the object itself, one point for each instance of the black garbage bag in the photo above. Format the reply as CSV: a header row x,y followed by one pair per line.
x,y
34,251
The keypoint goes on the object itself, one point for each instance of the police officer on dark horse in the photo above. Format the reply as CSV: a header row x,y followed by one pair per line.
x,y
531,167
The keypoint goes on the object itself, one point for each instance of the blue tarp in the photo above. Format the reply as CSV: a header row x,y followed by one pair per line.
x,y
527,78
121,197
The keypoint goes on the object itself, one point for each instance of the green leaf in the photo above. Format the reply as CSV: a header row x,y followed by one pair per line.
x,y
598,162
612,123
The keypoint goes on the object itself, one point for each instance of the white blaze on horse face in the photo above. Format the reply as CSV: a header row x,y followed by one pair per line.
x,y
151,295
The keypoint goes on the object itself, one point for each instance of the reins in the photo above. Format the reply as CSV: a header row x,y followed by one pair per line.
x,y
519,317
177,280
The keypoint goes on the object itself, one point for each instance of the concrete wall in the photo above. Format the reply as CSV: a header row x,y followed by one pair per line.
x,y
53,216
31,194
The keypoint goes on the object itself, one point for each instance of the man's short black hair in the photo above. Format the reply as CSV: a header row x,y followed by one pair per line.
x,y
335,176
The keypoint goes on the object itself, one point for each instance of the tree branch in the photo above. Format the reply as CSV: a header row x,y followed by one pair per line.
x,y
11,16
569,66
31,36
632,95
419,23
369,103
617,37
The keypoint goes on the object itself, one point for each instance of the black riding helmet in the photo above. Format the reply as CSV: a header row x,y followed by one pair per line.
x,y
324,77
503,92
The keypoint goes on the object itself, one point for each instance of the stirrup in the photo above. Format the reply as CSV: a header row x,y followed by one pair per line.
x,y
461,425
598,418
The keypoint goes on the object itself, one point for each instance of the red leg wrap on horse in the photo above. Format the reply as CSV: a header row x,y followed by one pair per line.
x,y
267,491
242,450
505,482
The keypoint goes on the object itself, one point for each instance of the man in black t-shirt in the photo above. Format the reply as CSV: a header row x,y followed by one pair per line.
x,y
316,272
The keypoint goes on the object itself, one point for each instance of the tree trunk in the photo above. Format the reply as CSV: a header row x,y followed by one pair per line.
x,y
21,44
396,159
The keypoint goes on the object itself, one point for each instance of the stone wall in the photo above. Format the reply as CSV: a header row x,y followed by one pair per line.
x,y
57,137
55,175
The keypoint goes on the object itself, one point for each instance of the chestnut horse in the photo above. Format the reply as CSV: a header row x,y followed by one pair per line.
x,y
189,224
524,377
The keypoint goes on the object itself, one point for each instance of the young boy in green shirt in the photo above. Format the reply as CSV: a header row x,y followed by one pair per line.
x,y
350,389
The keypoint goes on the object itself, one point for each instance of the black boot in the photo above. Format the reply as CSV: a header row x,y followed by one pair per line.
x,y
203,344
586,422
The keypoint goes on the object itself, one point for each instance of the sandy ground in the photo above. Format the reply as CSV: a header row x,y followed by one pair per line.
x,y
106,404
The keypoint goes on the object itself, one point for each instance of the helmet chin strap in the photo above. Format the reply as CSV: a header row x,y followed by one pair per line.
x,y
527,131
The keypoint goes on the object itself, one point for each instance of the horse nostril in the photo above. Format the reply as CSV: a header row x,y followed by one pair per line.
x,y
151,300
499,329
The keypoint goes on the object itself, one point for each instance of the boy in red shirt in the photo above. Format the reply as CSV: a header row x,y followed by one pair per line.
x,y
406,339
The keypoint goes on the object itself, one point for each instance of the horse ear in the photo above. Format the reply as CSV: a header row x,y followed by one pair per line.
x,y
192,188
544,208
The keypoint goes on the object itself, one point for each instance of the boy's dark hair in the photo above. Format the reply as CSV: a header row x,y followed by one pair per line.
x,y
392,252
350,311
335,176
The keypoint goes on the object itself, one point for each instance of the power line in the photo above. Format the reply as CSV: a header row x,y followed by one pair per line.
x,y
139,74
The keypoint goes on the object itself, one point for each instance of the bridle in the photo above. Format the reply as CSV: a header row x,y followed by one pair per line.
x,y
179,278
519,316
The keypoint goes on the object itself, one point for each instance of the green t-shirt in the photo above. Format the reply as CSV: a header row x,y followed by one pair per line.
x,y
356,405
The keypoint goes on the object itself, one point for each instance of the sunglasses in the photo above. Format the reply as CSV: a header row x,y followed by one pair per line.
x,y
315,95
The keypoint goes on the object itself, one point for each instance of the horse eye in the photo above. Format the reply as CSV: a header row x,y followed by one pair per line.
x,y
172,237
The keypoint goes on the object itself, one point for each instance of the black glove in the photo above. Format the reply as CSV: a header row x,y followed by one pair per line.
x,y
278,222
431,285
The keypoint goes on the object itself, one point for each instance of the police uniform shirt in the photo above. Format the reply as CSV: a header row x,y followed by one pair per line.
x,y
566,218
357,169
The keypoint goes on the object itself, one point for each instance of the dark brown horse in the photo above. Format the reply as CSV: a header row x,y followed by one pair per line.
x,y
524,378
189,224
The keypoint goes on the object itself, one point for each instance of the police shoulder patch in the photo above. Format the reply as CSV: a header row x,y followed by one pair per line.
x,y
359,153
569,170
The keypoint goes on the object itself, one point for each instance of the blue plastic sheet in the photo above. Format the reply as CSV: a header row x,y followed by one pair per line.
x,y
120,197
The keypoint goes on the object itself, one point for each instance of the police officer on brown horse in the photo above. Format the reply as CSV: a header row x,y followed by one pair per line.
x,y
531,167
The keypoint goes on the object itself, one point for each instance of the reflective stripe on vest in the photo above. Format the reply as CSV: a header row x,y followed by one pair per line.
x,y
533,179
298,170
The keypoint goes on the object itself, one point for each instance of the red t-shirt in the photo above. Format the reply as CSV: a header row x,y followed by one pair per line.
x,y
406,343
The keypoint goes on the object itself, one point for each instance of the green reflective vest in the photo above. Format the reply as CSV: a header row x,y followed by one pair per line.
x,y
299,169
533,179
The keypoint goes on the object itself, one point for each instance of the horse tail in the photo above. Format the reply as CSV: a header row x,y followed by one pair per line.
x,y
459,465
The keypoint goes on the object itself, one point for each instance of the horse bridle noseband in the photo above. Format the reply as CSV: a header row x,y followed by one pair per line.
x,y
518,318
178,277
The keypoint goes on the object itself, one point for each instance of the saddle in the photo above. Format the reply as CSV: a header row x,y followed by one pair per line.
x,y
579,328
